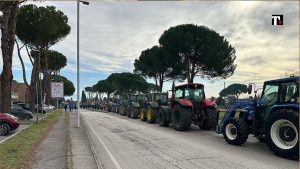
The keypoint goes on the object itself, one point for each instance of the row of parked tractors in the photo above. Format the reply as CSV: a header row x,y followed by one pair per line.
x,y
273,118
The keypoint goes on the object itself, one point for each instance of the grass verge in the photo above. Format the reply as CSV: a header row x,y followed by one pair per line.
x,y
18,151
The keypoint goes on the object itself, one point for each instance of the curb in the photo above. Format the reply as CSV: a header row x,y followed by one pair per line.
x,y
95,155
15,133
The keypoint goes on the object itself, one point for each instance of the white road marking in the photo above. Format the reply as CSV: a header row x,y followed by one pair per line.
x,y
113,159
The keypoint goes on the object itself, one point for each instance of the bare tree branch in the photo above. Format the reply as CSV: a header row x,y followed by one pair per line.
x,y
30,57
22,63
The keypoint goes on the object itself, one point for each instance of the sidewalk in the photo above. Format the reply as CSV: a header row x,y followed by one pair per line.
x,y
82,156
51,153
65,147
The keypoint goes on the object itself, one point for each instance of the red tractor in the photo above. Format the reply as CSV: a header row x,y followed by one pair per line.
x,y
188,104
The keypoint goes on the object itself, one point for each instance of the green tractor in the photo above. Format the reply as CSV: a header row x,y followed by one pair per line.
x,y
125,103
136,104
150,110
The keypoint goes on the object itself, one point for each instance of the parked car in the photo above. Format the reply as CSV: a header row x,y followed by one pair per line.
x,y
40,108
47,108
23,105
8,123
20,112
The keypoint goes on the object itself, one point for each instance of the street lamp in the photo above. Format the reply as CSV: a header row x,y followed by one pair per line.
x,y
78,92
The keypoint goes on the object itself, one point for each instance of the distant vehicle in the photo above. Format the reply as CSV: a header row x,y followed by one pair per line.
x,y
188,105
20,112
40,108
47,107
22,104
8,123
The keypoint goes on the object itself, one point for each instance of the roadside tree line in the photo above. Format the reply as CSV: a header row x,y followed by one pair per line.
x,y
34,30
184,52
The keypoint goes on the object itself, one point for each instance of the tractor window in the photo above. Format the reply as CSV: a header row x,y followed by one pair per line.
x,y
161,98
270,94
194,94
179,93
289,92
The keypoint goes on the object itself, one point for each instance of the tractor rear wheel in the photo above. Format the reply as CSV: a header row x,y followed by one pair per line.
x,y
128,111
181,118
143,114
162,118
282,134
151,114
134,113
236,131
211,120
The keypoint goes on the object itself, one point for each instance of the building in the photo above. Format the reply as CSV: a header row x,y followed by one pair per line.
x,y
18,92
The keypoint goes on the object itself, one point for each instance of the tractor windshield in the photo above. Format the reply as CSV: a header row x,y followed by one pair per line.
x,y
194,94
270,94
161,97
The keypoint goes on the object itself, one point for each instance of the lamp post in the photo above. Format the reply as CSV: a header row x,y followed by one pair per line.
x,y
78,92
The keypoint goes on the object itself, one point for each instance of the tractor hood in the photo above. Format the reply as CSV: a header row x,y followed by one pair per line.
x,y
207,103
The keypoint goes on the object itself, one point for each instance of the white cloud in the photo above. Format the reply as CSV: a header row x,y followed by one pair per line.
x,y
112,34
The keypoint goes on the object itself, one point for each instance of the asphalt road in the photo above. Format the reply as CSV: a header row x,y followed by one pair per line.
x,y
125,143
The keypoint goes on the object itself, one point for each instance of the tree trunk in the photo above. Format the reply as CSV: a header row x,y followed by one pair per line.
x,y
47,86
32,88
161,82
8,27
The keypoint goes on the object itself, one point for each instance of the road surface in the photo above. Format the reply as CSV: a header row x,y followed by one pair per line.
x,y
123,143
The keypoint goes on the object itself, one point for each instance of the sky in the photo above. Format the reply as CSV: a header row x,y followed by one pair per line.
x,y
113,34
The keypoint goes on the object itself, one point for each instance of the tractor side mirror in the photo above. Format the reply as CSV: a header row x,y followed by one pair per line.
x,y
249,89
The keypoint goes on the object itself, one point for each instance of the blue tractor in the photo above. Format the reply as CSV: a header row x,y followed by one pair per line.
x,y
274,118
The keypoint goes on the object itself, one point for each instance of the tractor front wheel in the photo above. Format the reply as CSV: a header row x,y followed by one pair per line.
x,y
128,111
181,118
134,113
211,120
143,114
282,134
236,131
151,114
162,118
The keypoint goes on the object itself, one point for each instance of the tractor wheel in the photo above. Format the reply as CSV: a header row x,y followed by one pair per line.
x,y
151,114
236,131
282,133
211,120
181,118
134,113
128,111
121,110
162,118
4,129
143,114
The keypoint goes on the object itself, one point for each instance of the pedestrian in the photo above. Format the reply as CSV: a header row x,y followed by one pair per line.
x,y
70,106
66,107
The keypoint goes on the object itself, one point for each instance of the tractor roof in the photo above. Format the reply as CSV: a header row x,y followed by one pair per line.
x,y
288,79
190,85
157,93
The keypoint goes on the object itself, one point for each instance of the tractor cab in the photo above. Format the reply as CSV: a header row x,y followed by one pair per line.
x,y
192,92
140,98
276,93
160,98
